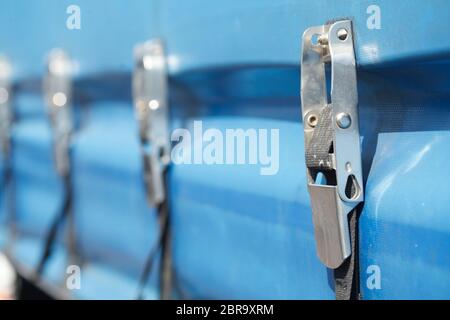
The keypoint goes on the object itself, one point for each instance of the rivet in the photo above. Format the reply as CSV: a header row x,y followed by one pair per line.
x,y
343,120
153,104
59,99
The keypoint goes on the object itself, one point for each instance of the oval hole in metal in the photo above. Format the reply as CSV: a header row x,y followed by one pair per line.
x,y
352,188
315,39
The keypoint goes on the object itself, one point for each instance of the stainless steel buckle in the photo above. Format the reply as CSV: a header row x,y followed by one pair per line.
x,y
150,100
5,105
332,140
58,97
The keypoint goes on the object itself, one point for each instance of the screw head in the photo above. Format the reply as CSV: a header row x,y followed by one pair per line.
x,y
343,120
323,39
59,99
342,34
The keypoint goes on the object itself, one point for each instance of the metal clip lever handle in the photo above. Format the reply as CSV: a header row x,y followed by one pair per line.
x,y
6,116
154,170
330,225
58,95
150,99
332,138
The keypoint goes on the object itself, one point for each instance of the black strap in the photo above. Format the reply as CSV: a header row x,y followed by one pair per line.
x,y
64,211
162,245
318,151
166,262
347,275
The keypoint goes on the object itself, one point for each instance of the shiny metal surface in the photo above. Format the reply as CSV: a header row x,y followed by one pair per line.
x,y
58,96
150,100
332,201
5,104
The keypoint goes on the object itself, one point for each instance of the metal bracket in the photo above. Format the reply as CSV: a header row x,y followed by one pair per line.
x,y
6,115
58,97
332,140
150,99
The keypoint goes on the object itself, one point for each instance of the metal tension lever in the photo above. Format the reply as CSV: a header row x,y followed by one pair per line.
x,y
58,97
150,99
6,114
332,141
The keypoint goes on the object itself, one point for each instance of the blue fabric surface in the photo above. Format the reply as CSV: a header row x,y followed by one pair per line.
x,y
115,226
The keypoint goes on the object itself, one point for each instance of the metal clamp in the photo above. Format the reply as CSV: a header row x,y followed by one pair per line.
x,y
150,99
332,140
6,115
58,97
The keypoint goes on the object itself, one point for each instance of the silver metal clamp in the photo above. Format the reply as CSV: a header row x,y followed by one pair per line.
x,y
6,115
332,140
150,100
58,98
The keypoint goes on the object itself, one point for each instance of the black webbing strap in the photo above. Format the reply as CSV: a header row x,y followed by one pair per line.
x,y
161,245
318,151
64,212
166,262
347,275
